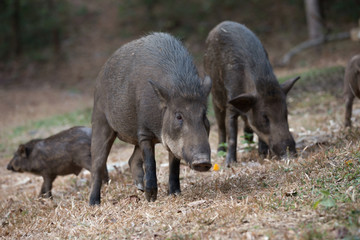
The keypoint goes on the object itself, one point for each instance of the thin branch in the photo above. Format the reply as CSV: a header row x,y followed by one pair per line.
x,y
312,43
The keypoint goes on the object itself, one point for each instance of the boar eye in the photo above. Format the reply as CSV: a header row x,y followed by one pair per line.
x,y
266,120
178,116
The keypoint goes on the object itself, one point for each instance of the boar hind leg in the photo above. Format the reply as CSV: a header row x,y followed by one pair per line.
x,y
147,150
232,124
136,168
174,174
349,99
87,165
220,120
47,186
101,141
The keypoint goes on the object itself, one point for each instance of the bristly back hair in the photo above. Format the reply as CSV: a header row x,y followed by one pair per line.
x,y
174,60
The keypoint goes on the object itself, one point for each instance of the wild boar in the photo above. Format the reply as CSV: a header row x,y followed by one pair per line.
x,y
149,92
244,85
63,153
351,86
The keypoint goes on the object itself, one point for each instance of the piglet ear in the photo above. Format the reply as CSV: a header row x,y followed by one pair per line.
x,y
22,150
286,86
28,151
243,102
207,85
161,92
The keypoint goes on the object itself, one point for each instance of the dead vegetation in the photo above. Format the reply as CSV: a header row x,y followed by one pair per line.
x,y
315,196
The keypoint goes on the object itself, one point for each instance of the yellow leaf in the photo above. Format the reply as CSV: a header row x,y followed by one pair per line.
x,y
348,162
216,167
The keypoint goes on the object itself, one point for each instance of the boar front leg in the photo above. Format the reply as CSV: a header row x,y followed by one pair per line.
x,y
47,186
349,99
147,149
263,148
101,141
220,120
232,129
136,168
174,174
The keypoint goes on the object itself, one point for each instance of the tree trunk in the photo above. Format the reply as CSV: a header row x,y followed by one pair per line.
x,y
314,20
52,6
16,28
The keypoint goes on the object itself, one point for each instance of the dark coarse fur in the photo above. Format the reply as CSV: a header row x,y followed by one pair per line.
x,y
139,90
244,84
64,153
351,86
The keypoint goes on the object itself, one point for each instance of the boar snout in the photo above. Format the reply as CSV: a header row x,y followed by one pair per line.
x,y
201,163
10,167
285,149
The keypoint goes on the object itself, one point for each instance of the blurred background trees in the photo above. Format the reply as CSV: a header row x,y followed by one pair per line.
x,y
30,26
75,37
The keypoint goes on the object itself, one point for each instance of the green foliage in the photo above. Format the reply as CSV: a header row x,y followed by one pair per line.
x,y
338,10
222,153
247,139
326,200
196,17
38,19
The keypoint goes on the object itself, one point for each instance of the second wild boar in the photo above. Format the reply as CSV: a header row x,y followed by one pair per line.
x,y
64,153
244,85
149,92
351,86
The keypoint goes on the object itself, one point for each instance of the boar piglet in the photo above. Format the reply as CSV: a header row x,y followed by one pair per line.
x,y
244,85
351,86
149,92
64,153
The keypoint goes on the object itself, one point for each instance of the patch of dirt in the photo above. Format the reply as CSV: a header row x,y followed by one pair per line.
x,y
20,105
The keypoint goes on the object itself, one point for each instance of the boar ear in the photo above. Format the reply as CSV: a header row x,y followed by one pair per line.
x,y
243,102
207,85
160,91
286,86
24,151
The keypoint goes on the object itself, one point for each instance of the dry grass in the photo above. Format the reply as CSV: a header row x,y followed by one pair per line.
x,y
315,196
255,199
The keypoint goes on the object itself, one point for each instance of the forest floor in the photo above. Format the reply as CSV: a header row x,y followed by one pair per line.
x,y
314,196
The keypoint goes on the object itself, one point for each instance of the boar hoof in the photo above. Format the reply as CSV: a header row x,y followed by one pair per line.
x,y
139,185
230,160
176,192
228,164
347,123
151,194
46,195
94,201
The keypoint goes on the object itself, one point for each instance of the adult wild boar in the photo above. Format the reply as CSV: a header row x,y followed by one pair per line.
x,y
351,86
61,154
149,92
244,85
